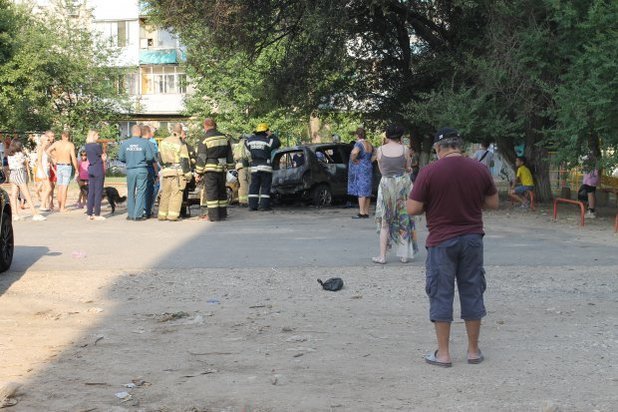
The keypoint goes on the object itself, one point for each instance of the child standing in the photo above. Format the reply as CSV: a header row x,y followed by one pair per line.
x,y
82,178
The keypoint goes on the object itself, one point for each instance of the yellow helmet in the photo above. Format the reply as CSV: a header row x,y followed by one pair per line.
x,y
262,127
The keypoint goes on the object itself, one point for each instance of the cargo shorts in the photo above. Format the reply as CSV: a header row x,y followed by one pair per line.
x,y
458,259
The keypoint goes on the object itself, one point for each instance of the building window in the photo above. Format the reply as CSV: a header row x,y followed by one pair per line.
x,y
122,34
152,37
163,80
117,32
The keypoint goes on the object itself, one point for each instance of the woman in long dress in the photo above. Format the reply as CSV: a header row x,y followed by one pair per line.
x,y
360,173
396,228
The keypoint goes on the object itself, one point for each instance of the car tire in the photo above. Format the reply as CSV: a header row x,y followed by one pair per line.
x,y
322,196
7,244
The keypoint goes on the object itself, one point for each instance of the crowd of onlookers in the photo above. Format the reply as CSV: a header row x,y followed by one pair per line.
x,y
48,169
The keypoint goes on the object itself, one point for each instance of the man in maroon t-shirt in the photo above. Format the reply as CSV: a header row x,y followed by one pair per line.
x,y
452,192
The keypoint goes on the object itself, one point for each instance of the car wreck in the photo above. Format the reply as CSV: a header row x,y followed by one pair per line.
x,y
317,173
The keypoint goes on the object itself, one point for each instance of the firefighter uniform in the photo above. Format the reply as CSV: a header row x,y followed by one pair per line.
x,y
260,146
175,170
185,211
242,158
214,154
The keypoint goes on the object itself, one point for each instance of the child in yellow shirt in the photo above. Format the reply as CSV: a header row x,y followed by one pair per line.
x,y
523,182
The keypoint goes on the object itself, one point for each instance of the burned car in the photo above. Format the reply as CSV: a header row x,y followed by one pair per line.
x,y
316,172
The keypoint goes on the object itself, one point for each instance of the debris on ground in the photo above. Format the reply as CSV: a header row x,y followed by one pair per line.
x,y
332,284
123,396
166,317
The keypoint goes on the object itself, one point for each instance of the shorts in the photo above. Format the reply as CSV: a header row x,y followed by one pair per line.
x,y
458,259
18,176
589,189
52,175
63,173
520,190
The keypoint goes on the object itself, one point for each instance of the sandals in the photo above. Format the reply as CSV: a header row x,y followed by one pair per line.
x,y
477,360
431,358
379,260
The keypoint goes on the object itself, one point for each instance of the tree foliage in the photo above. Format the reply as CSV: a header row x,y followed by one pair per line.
x,y
533,72
58,75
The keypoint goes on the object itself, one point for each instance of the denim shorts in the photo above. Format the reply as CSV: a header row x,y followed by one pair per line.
x,y
458,259
63,173
520,190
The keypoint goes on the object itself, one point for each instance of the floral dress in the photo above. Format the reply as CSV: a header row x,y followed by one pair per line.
x,y
391,211
360,174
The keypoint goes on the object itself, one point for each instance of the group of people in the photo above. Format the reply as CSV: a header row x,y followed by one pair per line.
x,y
170,165
52,165
451,192
207,164
395,226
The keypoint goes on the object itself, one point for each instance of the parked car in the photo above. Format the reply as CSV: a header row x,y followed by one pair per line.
x,y
7,244
315,172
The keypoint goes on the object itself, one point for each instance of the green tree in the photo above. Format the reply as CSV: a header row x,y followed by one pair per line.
x,y
60,75
309,57
586,99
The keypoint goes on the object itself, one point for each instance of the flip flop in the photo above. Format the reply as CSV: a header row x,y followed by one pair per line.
x,y
431,359
378,260
476,361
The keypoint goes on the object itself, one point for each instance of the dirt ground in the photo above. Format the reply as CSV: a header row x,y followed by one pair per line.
x,y
262,337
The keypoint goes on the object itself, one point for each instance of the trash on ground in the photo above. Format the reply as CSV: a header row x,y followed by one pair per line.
x,y
297,338
166,317
140,382
332,284
125,396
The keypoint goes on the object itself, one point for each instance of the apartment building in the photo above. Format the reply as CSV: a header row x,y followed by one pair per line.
x,y
156,80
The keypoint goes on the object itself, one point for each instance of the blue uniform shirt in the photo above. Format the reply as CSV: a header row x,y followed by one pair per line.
x,y
136,153
155,149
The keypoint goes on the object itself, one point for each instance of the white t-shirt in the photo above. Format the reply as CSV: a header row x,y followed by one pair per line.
x,y
487,160
17,161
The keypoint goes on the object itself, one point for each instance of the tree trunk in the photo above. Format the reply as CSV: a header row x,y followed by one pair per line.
x,y
539,159
425,150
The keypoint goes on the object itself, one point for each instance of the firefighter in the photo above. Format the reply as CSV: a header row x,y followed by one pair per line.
x,y
242,158
260,146
175,170
185,211
214,154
